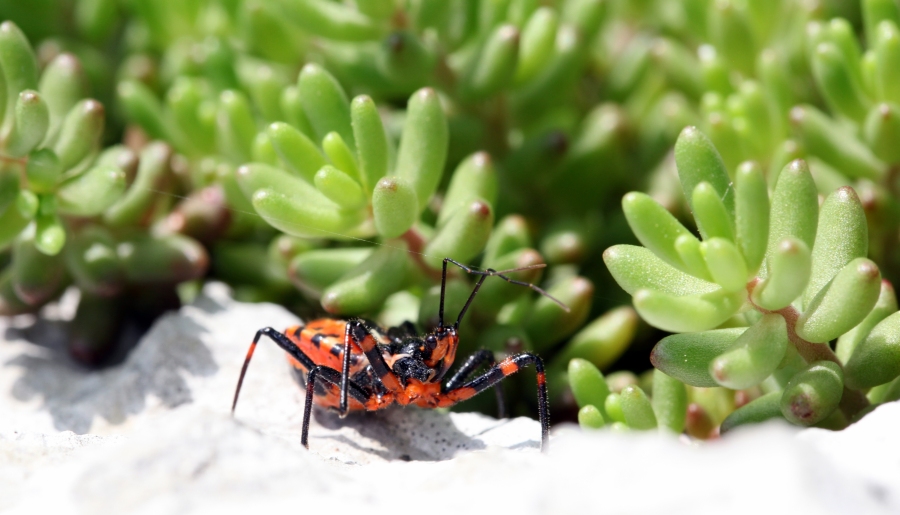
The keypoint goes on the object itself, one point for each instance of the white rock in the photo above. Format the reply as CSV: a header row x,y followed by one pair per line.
x,y
154,435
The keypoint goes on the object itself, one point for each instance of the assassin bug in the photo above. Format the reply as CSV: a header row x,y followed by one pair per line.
x,y
396,365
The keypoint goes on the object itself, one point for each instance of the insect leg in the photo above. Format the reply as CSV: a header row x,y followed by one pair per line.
x,y
496,374
282,341
360,335
470,365
330,376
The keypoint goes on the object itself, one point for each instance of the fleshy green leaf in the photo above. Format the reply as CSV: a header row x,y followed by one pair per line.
x,y
841,304
636,408
669,402
654,227
423,145
841,237
753,356
365,287
394,206
813,394
789,268
885,306
758,410
687,356
877,359
687,313
751,214
588,385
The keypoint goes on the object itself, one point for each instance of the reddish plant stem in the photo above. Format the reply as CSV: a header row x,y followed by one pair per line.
x,y
416,244
852,401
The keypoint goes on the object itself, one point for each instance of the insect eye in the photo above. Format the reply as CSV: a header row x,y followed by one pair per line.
x,y
430,341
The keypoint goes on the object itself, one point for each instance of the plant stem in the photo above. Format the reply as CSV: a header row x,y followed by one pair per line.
x,y
852,401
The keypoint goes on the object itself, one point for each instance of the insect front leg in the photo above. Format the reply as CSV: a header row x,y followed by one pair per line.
x,y
497,373
360,335
469,366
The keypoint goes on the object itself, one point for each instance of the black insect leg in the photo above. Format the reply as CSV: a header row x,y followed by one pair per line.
x,y
499,372
360,335
282,341
471,364
330,376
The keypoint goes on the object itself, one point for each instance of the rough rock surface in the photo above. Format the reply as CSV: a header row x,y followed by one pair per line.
x,y
154,435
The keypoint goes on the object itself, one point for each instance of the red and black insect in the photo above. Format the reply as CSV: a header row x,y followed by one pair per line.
x,y
396,365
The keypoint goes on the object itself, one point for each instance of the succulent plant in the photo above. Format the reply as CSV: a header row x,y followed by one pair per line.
x,y
327,155
756,300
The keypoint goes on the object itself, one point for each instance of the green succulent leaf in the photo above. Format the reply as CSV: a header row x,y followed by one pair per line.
x,y
495,65
80,133
687,356
637,409
325,104
317,269
394,206
93,262
795,207
30,125
751,206
162,259
613,406
340,154
365,286
876,360
602,341
654,227
92,192
17,216
712,218
669,402
132,206
841,237
423,145
536,43
836,80
296,150
37,276
19,63
687,313
463,236
235,126
813,394
842,303
589,417
141,105
758,410
884,307
834,144
753,356
789,268
330,20
371,141
340,188
475,177
588,385
548,323
699,161
725,263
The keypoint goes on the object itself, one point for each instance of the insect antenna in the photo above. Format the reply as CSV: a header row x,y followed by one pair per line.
x,y
484,275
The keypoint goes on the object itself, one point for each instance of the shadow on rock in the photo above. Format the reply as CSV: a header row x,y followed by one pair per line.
x,y
397,433
73,395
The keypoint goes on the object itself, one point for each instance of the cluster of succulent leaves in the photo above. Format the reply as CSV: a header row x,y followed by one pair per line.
x,y
328,154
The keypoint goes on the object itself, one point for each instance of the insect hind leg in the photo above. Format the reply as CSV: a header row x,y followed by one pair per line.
x,y
282,341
